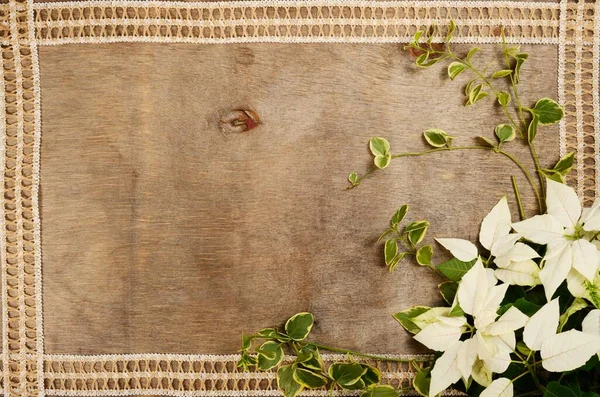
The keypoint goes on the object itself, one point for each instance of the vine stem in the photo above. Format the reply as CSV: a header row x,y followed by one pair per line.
x,y
518,196
493,149
364,355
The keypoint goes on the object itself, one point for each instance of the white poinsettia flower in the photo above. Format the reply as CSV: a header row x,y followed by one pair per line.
x,y
591,324
489,350
563,230
514,259
439,331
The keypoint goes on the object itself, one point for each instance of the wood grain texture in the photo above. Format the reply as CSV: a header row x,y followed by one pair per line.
x,y
162,234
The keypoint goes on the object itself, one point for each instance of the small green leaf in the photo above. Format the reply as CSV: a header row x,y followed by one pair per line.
x,y
451,29
503,98
505,132
379,146
382,161
532,129
456,311
448,291
270,355
565,164
454,269
372,375
346,374
480,96
424,255
417,36
405,318
396,260
489,142
386,233
286,382
472,52
548,111
577,305
246,361
315,362
299,325
399,215
422,381
475,94
380,391
437,138
501,73
246,340
555,389
309,379
522,348
520,59
353,178
526,306
455,68
416,231
390,251
554,175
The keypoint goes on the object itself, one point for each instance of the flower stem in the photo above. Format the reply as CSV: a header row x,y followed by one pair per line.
x,y
364,355
518,196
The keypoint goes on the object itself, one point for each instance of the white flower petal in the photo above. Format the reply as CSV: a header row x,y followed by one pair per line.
x,y
593,223
481,373
562,203
488,312
430,316
501,387
467,354
540,229
510,321
586,258
568,350
576,284
496,224
463,250
472,289
504,244
455,321
445,371
439,336
556,247
524,273
494,352
542,325
591,323
589,213
555,271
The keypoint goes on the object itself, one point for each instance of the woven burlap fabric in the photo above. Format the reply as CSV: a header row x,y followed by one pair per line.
x,y
164,234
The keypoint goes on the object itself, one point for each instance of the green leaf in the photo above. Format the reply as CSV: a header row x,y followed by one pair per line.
x,y
346,374
505,132
476,94
396,260
503,98
489,142
309,379
565,164
451,29
555,389
423,60
437,138
424,255
286,382
246,341
390,250
472,52
405,318
246,361
399,215
270,355
422,381
520,59
380,391
526,306
359,385
454,269
456,311
386,233
532,129
417,36
548,111
372,375
315,362
577,305
382,161
455,68
522,348
379,146
501,73
353,178
299,325
416,231
448,290
553,175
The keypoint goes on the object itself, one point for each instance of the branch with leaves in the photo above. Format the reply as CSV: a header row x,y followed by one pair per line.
x,y
522,314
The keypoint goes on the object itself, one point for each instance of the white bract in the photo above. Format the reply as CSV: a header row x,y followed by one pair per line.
x,y
563,229
489,349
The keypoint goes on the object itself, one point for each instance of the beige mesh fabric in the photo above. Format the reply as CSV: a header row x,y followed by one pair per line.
x,y
103,352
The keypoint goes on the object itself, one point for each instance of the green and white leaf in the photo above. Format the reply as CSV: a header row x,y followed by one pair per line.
x,y
437,138
455,68
548,111
505,133
286,382
309,379
564,165
382,161
503,98
405,318
299,325
379,146
501,73
346,374
424,255
533,128
577,305
270,355
390,251
399,215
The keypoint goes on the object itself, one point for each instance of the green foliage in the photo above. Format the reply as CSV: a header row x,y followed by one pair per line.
x,y
456,68
503,98
548,111
380,391
380,148
286,383
405,318
422,380
505,133
299,325
424,255
437,138
454,269
270,355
